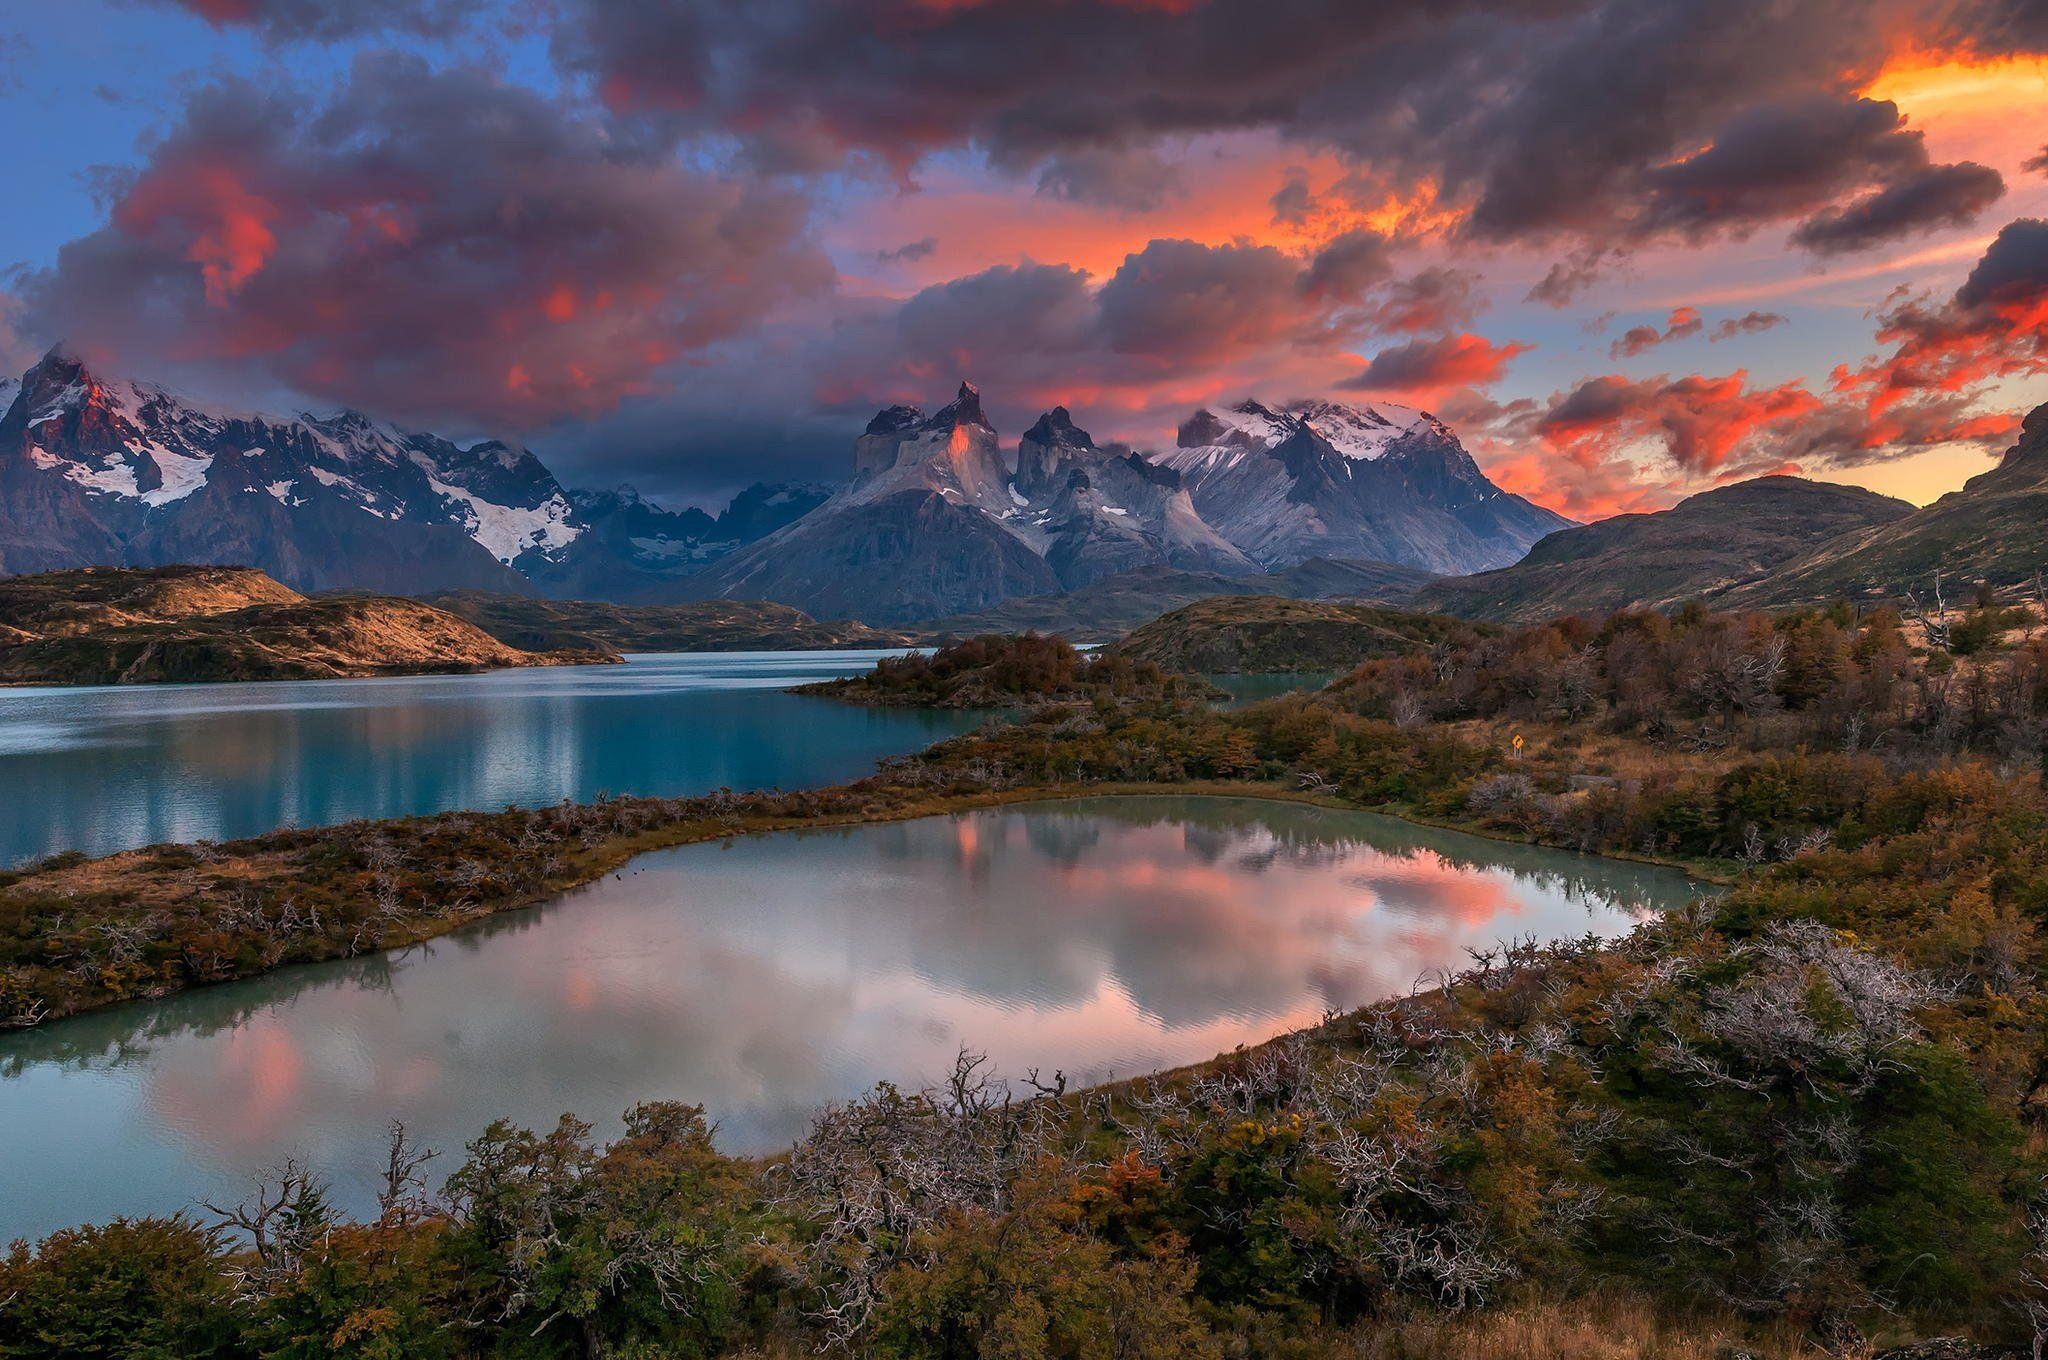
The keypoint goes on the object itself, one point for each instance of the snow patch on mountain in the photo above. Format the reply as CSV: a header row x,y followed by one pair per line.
x,y
1361,432
508,532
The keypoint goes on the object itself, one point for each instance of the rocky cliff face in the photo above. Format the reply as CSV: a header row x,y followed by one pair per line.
x,y
1250,488
1320,479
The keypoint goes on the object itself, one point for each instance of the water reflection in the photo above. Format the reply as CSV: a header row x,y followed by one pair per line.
x,y
109,768
767,976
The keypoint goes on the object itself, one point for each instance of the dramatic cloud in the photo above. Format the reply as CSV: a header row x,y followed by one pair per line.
x,y
1798,157
1428,366
1682,323
1749,323
1182,302
909,252
1995,326
1347,267
1700,423
434,244
1612,122
1933,196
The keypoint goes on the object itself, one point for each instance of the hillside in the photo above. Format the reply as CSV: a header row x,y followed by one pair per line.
x,y
1994,529
711,626
117,627
1110,608
1268,633
1701,547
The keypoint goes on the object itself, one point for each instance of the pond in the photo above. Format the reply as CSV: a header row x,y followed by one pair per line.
x,y
766,976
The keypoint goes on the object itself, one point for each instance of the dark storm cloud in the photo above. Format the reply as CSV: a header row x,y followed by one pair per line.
x,y
1181,301
2013,268
1128,179
910,251
1347,267
432,243
1605,122
1433,299
1936,196
1609,121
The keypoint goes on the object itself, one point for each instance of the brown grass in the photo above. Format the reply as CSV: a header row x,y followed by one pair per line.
x,y
1592,1329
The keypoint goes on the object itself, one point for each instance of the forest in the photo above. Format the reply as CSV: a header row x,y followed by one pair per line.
x,y
1804,1117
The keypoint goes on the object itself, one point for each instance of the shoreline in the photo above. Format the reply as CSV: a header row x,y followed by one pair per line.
x,y
591,865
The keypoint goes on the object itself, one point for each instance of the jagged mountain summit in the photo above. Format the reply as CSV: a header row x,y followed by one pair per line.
x,y
939,520
1378,482
104,471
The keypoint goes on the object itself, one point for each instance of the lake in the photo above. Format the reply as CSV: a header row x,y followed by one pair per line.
x,y
766,976
109,768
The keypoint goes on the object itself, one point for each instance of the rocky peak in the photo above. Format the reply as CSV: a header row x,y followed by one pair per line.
x,y
60,382
1056,428
902,434
1050,444
893,419
964,409
1248,424
2033,442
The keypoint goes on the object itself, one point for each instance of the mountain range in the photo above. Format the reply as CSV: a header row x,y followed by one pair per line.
x,y
115,472
943,525
938,517
938,521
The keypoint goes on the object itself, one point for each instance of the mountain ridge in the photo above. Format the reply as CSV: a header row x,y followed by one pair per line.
x,y
938,522
122,472
1700,548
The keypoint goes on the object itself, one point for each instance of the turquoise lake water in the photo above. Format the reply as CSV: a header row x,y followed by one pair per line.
x,y
109,768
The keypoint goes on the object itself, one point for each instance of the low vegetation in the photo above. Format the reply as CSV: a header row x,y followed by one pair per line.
x,y
1806,1117
1269,633
1108,609
997,671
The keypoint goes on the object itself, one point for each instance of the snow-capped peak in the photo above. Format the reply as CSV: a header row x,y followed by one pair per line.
x,y
1363,431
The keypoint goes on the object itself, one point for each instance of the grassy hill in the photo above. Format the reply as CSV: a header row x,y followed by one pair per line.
x,y
120,627
1110,608
1994,529
710,626
1700,548
1270,633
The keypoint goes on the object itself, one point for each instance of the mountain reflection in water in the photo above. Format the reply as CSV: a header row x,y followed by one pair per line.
x,y
766,976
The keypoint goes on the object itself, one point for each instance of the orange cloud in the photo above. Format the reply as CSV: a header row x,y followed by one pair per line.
x,y
221,224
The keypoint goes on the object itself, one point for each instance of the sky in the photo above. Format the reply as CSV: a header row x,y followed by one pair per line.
x,y
1628,249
